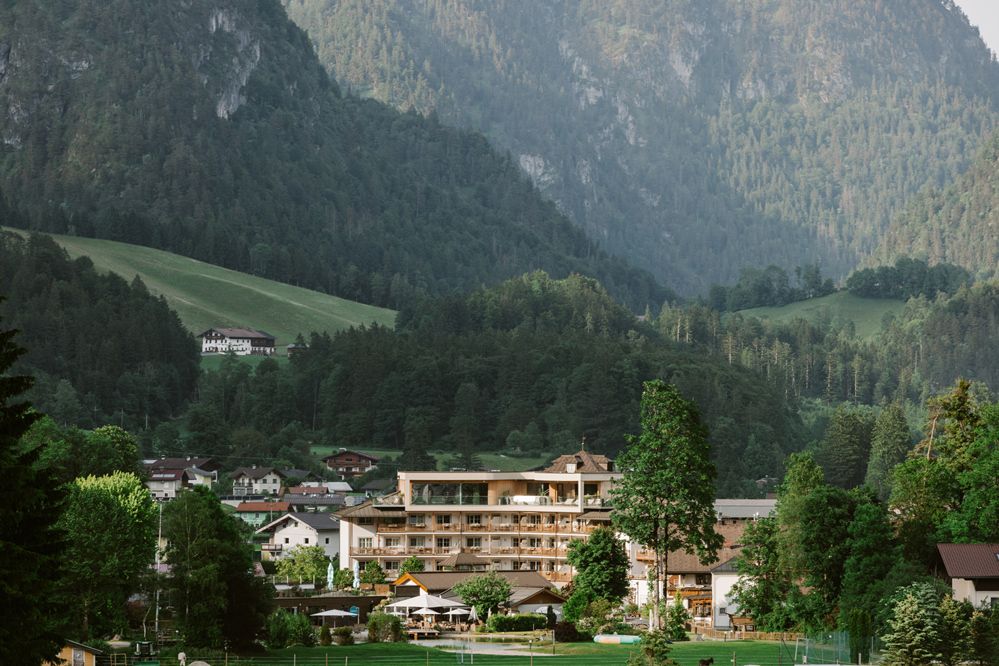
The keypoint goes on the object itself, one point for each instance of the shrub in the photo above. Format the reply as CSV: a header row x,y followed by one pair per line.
x,y
566,632
343,636
325,637
284,629
522,622
384,628
654,651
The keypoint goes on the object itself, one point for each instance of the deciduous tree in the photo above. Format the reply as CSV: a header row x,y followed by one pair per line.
x,y
665,500
601,564
485,592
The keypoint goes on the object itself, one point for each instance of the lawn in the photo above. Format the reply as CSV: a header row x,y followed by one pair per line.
x,y
497,461
214,361
865,313
407,654
205,295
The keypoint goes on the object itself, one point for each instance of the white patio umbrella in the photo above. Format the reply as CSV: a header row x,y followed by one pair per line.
x,y
459,611
426,611
334,613
425,600
473,616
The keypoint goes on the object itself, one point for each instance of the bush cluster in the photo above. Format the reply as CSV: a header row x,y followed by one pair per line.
x,y
384,628
521,622
343,636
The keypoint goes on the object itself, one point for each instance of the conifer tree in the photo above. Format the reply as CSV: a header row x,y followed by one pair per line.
x,y
890,441
29,542
913,632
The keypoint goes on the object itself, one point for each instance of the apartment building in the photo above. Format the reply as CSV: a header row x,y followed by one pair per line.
x,y
510,521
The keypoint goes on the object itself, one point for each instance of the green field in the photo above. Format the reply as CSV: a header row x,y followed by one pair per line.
x,y
497,461
205,295
760,653
865,313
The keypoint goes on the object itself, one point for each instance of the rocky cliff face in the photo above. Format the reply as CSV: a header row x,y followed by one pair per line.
x,y
209,128
695,137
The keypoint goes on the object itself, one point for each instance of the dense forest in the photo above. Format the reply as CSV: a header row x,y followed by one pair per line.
x,y
211,130
683,135
956,224
532,366
101,350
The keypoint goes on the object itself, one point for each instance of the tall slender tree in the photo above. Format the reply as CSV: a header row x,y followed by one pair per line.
x,y
665,500
890,441
29,541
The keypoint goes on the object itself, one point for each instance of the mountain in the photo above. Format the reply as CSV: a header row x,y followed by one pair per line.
x,y
204,295
209,128
101,349
695,137
958,224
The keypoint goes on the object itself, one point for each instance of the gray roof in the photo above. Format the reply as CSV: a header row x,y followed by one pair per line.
x,y
320,521
745,508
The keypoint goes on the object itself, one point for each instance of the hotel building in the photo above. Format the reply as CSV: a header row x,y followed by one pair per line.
x,y
510,521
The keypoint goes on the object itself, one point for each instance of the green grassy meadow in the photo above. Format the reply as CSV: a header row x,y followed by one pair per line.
x,y
760,653
865,313
205,295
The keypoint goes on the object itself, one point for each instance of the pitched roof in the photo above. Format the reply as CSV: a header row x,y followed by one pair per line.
x,y
341,452
259,507
463,559
680,561
970,560
533,595
166,475
307,490
180,463
585,462
439,581
745,508
255,472
317,521
238,333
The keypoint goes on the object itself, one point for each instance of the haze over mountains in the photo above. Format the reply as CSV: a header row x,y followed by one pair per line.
x,y
210,129
694,138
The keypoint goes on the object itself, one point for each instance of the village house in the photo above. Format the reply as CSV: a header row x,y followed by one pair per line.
x,y
76,654
349,464
300,529
255,480
973,570
167,476
239,341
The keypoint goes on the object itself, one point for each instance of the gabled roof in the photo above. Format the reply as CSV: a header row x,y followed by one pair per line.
x,y
680,561
318,521
260,507
166,475
255,472
745,508
81,646
970,560
345,451
585,462
532,595
238,333
463,559
435,582
181,463
307,490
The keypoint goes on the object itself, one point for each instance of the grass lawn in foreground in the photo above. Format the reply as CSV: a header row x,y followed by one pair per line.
x,y
762,653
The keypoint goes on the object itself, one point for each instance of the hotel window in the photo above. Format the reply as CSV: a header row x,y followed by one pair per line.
x,y
534,566
443,542
392,542
364,542
365,521
473,542
534,542
417,542
534,519
391,566
443,519
474,519
306,540
417,519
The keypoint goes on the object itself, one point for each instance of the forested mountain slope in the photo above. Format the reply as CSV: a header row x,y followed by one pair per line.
x,y
695,137
101,349
209,128
958,224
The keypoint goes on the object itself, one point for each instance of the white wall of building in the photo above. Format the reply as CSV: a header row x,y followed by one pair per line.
x,y
293,534
721,588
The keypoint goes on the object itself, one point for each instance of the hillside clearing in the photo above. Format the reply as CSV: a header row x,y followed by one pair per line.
x,y
865,313
205,295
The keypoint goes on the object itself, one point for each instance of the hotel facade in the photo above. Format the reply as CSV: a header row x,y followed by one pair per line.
x,y
510,521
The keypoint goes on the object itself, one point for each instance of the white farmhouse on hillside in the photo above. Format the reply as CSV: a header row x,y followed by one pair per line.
x,y
240,341
301,529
